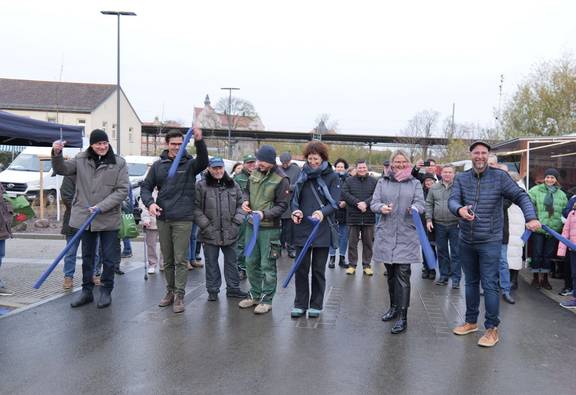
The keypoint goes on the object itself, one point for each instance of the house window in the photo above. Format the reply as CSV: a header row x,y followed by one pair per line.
x,y
113,130
81,122
51,118
104,125
130,135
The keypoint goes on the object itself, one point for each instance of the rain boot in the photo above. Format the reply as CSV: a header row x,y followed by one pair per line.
x,y
544,282
402,324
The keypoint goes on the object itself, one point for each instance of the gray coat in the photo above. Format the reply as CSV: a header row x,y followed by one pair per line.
x,y
105,187
396,240
218,210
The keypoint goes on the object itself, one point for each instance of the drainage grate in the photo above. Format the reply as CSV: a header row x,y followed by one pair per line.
x,y
435,314
329,315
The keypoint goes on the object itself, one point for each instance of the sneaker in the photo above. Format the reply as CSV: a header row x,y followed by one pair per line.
x,y
68,283
126,254
441,281
247,303
368,271
262,308
351,270
490,338
5,291
314,313
465,329
196,264
297,313
455,284
565,292
190,267
569,304
152,270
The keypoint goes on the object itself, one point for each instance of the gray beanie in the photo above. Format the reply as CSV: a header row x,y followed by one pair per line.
x,y
267,154
285,157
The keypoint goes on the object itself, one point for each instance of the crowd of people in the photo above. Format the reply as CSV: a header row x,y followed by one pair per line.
x,y
473,221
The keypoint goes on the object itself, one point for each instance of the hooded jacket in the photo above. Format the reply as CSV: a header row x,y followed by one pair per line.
x,y
176,195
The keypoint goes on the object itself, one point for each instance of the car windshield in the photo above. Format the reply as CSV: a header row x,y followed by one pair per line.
x,y
137,169
28,162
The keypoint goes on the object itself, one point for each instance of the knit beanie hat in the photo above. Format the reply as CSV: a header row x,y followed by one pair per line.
x,y
552,172
285,157
429,176
97,136
267,154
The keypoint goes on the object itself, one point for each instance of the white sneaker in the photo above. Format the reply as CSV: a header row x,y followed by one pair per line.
x,y
247,303
152,270
262,308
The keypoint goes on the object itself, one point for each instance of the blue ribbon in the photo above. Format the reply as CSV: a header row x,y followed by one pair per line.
x,y
304,251
76,236
180,154
255,229
552,233
424,242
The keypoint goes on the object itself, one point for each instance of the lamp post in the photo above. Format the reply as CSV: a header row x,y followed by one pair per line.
x,y
118,14
229,115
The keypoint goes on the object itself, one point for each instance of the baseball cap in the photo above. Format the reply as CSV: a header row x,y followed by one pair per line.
x,y
216,161
249,158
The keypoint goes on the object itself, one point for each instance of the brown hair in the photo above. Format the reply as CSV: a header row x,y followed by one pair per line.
x,y
316,147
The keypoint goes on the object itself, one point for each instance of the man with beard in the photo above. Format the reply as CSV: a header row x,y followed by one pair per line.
x,y
477,199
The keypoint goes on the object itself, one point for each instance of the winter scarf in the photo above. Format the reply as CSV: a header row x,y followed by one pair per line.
x,y
401,175
309,173
549,199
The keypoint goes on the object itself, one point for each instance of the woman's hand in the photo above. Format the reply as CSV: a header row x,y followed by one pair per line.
x,y
318,215
297,216
386,209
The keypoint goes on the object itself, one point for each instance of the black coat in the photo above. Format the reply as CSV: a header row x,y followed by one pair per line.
x,y
175,196
308,204
67,190
355,190
341,212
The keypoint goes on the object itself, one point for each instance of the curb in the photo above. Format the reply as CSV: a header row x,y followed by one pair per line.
x,y
52,236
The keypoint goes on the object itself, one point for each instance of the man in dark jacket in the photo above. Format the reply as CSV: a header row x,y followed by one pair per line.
x,y
218,213
101,184
292,171
174,208
477,198
267,197
357,193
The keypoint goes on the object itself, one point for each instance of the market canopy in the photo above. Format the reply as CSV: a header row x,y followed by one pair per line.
x,y
18,130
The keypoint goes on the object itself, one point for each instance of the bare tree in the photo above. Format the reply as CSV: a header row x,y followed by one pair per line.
x,y
423,124
239,108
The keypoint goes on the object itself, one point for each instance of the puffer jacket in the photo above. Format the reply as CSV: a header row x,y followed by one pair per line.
x,y
538,194
485,192
175,196
101,182
569,232
218,210
355,190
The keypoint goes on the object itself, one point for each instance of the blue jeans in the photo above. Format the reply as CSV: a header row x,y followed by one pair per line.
x,y
70,257
213,274
127,246
543,250
480,264
342,241
193,241
448,259
110,257
504,272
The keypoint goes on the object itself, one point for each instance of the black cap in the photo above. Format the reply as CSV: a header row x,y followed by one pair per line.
x,y
430,176
97,136
475,143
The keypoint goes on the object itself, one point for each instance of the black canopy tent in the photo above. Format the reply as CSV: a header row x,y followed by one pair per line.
x,y
18,130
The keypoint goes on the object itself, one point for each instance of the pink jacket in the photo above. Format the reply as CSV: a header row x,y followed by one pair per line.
x,y
569,232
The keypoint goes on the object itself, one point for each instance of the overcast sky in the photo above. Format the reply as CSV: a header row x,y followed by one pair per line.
x,y
371,65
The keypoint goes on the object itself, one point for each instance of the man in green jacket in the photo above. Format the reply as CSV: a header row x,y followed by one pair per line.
x,y
242,180
267,197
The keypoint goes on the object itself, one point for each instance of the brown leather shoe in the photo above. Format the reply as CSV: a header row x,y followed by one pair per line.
x,y
197,264
178,306
68,283
465,329
490,338
167,300
544,283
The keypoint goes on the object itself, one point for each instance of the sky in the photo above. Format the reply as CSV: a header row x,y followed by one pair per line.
x,y
370,65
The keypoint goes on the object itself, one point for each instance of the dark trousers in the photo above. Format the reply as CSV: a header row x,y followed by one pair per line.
x,y
316,258
480,263
543,250
110,250
448,259
366,234
568,272
287,235
213,276
399,284
573,271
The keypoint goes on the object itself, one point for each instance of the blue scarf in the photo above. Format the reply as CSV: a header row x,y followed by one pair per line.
x,y
309,173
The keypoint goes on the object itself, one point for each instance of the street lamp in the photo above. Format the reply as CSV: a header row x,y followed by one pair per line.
x,y
229,121
118,14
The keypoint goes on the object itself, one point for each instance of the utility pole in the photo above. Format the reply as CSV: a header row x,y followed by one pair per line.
x,y
229,118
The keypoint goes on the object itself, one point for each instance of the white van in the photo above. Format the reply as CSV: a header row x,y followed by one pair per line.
x,y
138,167
22,177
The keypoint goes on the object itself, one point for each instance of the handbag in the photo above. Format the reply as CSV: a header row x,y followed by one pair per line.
x,y
128,228
334,235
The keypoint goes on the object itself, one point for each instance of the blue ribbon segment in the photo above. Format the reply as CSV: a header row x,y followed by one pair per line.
x,y
76,236
304,251
255,230
180,154
429,257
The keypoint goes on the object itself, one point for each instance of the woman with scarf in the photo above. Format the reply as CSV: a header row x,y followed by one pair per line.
x,y
549,201
396,243
316,194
